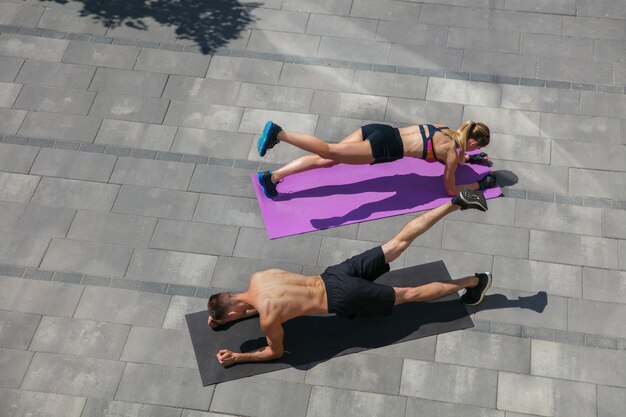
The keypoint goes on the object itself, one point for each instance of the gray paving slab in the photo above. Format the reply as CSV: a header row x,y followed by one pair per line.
x,y
235,211
278,20
359,372
349,105
274,97
408,32
9,68
129,107
611,401
459,263
209,239
603,285
135,135
483,40
59,192
214,143
155,202
179,306
170,62
53,74
607,105
263,399
151,30
418,111
38,297
35,220
114,305
527,275
206,90
496,63
574,70
94,258
22,250
97,407
204,116
573,249
101,55
544,396
159,347
464,92
146,172
66,20
385,229
426,56
244,69
581,155
13,364
10,120
556,46
14,403
578,363
449,383
342,26
20,46
559,218
19,188
20,14
88,338
70,127
71,375
596,317
73,165
565,7
8,93
60,100
526,22
384,84
234,273
177,387
602,8
335,7
357,50
609,50
420,349
386,10
121,229
504,240
532,176
169,266
329,401
121,81
503,146
580,128
515,308
417,406
488,351
606,183
335,250
17,329
316,77
253,243
271,42
222,180
551,100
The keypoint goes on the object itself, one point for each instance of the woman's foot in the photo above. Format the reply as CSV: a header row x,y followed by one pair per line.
x,y
470,199
269,138
265,180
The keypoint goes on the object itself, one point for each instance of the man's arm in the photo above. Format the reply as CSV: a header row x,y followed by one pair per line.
x,y
274,335
249,313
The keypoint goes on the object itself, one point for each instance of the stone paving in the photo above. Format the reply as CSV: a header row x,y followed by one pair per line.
x,y
127,140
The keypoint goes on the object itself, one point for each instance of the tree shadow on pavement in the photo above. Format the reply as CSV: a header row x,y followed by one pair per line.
x,y
211,24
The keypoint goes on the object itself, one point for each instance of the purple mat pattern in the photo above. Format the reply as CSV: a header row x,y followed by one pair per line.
x,y
346,194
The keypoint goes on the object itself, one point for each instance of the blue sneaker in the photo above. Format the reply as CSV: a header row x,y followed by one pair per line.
x,y
269,138
265,179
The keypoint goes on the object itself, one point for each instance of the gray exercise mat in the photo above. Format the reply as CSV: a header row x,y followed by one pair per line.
x,y
318,338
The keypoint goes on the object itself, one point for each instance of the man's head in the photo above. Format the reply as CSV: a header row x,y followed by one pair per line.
x,y
219,305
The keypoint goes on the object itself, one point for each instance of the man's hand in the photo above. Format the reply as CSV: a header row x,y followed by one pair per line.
x,y
214,323
226,357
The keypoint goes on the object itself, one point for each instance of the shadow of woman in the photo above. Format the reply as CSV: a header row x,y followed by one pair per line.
x,y
210,24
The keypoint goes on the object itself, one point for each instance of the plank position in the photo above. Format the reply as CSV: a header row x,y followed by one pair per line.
x,y
379,143
345,289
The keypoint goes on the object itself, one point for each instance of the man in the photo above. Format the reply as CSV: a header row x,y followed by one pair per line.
x,y
345,289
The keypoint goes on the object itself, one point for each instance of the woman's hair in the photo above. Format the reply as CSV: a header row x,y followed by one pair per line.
x,y
469,130
219,304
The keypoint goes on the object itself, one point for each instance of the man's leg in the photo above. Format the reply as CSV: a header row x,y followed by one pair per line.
x,y
394,248
433,290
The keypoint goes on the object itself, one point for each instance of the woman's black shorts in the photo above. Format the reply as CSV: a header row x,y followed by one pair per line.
x,y
350,289
385,141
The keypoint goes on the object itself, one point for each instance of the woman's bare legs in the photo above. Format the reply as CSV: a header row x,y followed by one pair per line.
x,y
352,149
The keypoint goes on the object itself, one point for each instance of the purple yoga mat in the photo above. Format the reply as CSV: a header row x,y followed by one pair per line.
x,y
346,194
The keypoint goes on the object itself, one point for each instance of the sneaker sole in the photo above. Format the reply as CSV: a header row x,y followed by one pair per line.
x,y
482,294
262,142
475,201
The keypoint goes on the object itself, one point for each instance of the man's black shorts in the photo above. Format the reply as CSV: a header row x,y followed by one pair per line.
x,y
350,288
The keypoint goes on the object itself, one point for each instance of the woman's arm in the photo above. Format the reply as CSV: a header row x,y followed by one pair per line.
x,y
449,177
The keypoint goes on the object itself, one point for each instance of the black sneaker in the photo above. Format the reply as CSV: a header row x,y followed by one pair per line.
x,y
474,296
269,138
470,199
265,179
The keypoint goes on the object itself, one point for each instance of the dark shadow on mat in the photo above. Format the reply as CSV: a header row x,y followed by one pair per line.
x,y
211,24
505,178
318,338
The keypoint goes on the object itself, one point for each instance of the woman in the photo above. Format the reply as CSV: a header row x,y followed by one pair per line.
x,y
379,143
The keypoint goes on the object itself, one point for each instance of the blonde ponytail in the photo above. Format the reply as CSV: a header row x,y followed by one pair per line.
x,y
469,130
